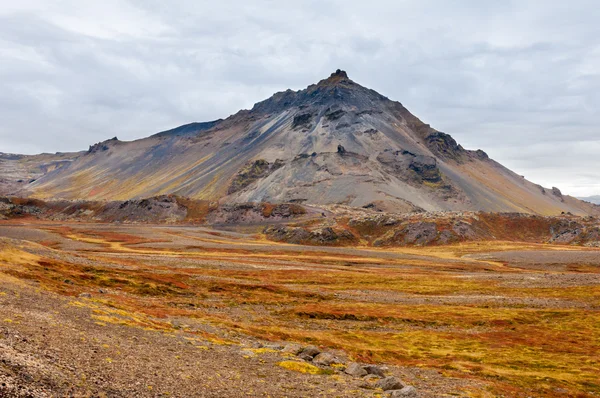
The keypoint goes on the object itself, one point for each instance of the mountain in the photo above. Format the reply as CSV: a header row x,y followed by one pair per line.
x,y
592,199
333,142
17,172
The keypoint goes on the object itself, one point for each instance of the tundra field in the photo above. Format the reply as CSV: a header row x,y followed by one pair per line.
x,y
108,310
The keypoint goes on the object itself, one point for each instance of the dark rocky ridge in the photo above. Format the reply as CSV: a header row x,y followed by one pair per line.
x,y
160,209
426,229
191,128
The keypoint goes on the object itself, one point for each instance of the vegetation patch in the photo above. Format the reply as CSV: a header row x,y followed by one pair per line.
x,y
303,367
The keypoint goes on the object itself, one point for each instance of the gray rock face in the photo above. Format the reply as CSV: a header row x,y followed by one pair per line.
x,y
389,383
252,172
354,369
556,192
374,370
426,168
408,391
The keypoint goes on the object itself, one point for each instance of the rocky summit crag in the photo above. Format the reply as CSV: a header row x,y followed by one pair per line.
x,y
335,142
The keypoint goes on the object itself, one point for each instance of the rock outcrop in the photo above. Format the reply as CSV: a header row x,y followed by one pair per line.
x,y
426,229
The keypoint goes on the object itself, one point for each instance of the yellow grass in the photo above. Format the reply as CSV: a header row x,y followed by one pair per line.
x,y
303,367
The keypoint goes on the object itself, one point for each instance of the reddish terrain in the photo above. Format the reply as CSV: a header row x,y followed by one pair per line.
x,y
90,309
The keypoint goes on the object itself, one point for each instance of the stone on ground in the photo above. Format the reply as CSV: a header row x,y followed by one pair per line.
x,y
389,383
325,359
311,350
354,369
292,348
305,357
374,370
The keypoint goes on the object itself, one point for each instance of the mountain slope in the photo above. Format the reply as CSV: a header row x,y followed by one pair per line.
x,y
333,142
18,171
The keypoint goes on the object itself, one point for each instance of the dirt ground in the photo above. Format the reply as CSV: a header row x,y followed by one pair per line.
x,y
105,310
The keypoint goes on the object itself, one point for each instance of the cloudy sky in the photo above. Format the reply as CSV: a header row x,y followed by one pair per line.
x,y
519,79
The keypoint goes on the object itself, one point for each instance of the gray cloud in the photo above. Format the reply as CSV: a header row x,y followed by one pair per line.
x,y
518,79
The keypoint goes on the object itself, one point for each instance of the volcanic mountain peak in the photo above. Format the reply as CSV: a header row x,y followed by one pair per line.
x,y
336,90
339,76
334,142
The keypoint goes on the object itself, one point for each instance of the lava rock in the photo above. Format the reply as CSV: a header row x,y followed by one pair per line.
x,y
374,370
311,351
389,383
325,359
301,120
369,382
354,369
292,348
305,357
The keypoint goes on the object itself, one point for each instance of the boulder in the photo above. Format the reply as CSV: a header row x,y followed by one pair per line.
x,y
325,359
369,382
305,357
389,383
292,348
374,370
311,351
354,369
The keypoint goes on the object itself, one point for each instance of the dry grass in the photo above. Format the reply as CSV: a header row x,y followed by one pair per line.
x,y
304,367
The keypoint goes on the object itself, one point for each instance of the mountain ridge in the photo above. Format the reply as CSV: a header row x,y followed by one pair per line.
x,y
334,142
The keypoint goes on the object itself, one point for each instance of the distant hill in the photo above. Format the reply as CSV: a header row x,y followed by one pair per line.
x,y
592,199
335,142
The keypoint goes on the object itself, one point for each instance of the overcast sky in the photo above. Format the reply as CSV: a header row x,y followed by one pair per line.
x,y
519,79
